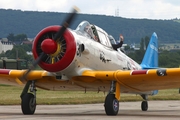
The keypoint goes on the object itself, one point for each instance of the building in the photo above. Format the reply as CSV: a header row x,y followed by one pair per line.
x,y
5,45
27,42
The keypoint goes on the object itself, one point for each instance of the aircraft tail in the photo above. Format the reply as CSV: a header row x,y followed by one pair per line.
x,y
150,59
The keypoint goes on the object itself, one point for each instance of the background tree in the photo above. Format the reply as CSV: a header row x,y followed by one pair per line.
x,y
18,37
169,59
139,54
27,47
17,53
146,40
11,37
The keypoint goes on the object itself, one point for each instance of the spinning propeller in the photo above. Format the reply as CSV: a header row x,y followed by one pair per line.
x,y
49,46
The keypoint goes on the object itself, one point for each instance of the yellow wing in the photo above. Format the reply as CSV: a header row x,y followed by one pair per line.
x,y
43,79
131,81
140,80
14,77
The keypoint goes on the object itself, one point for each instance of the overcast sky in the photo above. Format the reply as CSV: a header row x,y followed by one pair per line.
x,y
151,9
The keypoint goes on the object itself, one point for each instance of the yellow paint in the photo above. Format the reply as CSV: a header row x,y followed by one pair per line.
x,y
117,93
17,73
53,60
104,75
57,51
18,81
33,75
88,73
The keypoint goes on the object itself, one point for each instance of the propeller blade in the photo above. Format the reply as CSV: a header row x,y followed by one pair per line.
x,y
66,24
34,64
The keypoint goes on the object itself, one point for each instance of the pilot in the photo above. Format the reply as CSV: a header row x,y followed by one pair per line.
x,y
89,31
116,46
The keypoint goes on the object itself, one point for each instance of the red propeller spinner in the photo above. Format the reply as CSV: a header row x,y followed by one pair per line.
x,y
49,46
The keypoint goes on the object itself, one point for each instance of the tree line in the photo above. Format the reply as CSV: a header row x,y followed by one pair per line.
x,y
31,22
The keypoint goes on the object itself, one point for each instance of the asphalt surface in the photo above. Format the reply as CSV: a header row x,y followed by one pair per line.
x,y
161,110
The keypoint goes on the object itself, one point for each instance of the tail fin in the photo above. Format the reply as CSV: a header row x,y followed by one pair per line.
x,y
150,59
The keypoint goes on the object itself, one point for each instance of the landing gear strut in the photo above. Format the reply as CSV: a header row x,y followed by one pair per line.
x,y
144,104
28,100
111,102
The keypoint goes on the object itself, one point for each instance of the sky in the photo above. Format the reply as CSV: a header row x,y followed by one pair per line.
x,y
138,9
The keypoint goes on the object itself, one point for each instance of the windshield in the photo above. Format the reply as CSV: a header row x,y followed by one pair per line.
x,y
85,27
112,40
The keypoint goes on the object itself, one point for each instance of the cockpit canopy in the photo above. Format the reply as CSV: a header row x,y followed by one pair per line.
x,y
94,32
85,27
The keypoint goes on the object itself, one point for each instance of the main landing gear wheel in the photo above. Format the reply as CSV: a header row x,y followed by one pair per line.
x,y
28,104
111,105
144,106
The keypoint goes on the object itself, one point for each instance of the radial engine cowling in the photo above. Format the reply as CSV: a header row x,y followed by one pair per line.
x,y
58,53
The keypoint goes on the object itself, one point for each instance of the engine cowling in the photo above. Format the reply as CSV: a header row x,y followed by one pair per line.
x,y
59,53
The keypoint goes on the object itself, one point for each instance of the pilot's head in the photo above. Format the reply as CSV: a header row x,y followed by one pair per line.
x,y
89,30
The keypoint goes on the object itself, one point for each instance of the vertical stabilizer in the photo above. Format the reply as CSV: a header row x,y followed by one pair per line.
x,y
150,59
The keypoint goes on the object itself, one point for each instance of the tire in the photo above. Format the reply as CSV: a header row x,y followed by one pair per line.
x,y
111,105
28,105
144,106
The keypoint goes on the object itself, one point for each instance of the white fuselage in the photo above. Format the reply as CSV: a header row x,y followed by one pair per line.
x,y
97,57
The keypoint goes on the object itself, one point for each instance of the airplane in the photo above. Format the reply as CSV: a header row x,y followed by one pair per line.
x,y
84,60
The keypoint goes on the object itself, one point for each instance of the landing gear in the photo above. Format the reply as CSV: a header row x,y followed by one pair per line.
x,y
144,104
28,104
111,102
28,100
111,105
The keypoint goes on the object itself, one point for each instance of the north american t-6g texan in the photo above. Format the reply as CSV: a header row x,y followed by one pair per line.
x,y
84,60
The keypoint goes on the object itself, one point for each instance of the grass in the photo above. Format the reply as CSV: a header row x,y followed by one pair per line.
x,y
10,95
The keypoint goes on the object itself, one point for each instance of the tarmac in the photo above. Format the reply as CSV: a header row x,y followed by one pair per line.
x,y
161,110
